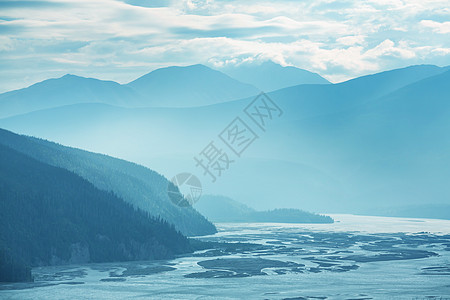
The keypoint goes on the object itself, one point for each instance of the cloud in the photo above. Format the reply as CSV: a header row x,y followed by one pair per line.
x,y
8,4
6,44
120,40
388,48
441,51
149,3
438,27
351,40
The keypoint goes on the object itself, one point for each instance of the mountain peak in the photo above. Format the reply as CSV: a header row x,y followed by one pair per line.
x,y
175,70
270,76
69,76
66,90
197,66
72,77
194,85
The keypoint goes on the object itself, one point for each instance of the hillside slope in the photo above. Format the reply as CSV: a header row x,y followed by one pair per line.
x,y
137,185
50,216
222,209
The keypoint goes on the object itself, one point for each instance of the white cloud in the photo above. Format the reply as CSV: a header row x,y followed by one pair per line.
x,y
388,48
351,40
6,44
441,51
438,27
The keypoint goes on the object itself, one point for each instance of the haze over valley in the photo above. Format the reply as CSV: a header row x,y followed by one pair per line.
x,y
208,149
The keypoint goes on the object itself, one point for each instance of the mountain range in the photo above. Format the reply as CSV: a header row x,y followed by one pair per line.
x,y
188,86
355,146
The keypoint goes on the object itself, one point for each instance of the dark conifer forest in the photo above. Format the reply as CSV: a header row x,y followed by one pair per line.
x,y
49,216
142,187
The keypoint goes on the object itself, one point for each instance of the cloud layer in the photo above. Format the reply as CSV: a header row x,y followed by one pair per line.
x,y
121,40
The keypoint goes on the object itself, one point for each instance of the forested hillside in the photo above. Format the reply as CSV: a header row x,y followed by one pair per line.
x,y
137,185
50,216
222,209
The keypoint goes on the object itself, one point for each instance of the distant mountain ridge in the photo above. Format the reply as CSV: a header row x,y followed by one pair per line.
x,y
199,85
195,85
224,210
188,86
166,87
269,76
314,100
69,89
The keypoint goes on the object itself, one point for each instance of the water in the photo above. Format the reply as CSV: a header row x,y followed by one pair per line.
x,y
355,258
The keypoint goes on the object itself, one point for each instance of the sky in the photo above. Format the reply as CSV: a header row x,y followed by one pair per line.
x,y
122,40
